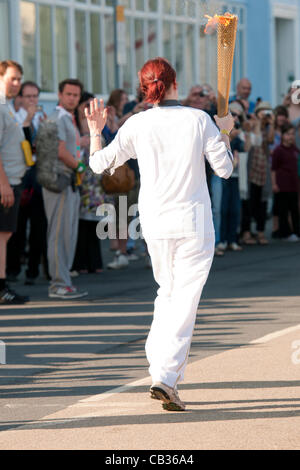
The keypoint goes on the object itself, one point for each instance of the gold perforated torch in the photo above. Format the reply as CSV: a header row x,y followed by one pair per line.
x,y
227,27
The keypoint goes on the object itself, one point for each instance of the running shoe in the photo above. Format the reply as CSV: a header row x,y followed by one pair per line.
x,y
169,396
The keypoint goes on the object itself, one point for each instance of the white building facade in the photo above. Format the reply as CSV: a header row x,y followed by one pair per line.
x,y
56,39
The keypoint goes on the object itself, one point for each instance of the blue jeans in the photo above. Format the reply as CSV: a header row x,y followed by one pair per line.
x,y
216,200
230,211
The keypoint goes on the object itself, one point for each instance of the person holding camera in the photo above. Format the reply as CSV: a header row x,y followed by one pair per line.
x,y
259,173
292,103
231,201
31,209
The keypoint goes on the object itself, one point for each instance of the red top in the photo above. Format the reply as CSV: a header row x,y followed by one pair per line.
x,y
285,165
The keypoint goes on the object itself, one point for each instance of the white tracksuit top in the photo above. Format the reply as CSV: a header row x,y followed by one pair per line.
x,y
170,144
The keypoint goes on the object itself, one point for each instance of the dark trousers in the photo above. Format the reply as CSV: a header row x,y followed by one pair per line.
x,y
288,205
255,208
246,216
230,210
258,207
34,213
88,250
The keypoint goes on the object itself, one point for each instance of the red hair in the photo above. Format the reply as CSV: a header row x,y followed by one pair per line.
x,y
156,77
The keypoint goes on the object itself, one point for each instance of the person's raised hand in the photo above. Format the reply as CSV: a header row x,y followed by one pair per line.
x,y
96,116
31,110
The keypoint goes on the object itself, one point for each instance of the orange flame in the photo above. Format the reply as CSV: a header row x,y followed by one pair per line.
x,y
213,22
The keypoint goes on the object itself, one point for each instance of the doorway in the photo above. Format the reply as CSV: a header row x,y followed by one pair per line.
x,y
285,56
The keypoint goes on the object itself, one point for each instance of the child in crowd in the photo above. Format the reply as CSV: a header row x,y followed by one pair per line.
x,y
279,121
285,184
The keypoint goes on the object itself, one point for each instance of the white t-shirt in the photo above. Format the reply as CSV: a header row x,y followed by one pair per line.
x,y
19,115
11,137
169,143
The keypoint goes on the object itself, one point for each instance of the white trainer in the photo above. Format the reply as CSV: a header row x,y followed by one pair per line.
x,y
66,292
120,261
168,395
222,246
235,247
292,238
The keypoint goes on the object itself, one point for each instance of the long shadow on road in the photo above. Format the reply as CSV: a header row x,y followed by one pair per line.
x,y
211,411
87,347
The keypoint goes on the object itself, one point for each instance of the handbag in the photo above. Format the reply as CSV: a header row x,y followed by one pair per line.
x,y
122,180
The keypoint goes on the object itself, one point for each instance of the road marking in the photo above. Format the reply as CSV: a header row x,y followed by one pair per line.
x,y
276,334
114,391
147,380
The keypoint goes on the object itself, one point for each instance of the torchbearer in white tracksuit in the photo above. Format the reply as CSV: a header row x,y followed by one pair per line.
x,y
170,142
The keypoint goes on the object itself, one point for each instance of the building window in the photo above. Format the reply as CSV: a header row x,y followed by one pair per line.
x,y
81,46
152,39
179,57
4,30
96,53
153,5
139,44
167,40
62,44
63,38
46,59
109,53
29,23
189,54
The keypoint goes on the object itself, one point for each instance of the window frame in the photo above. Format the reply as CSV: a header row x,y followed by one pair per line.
x,y
131,13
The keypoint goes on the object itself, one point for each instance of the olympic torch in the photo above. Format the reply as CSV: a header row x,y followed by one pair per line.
x,y
227,28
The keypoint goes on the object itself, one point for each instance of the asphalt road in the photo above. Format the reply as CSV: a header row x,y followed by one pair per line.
x,y
60,352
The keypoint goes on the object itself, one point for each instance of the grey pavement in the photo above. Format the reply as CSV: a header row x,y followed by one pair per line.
x,y
66,361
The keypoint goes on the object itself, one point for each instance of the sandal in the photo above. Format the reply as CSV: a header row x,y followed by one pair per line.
x,y
219,252
249,240
261,240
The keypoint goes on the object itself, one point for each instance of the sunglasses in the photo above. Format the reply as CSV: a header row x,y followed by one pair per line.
x,y
201,94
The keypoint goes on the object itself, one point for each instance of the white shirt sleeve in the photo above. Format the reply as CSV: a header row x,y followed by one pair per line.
x,y
116,153
215,150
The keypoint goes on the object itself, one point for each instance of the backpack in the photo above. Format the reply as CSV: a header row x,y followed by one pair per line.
x,y
49,173
122,181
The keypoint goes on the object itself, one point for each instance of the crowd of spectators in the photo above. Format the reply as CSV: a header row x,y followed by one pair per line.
x,y
55,233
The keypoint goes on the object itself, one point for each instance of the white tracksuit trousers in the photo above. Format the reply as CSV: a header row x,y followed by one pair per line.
x,y
181,268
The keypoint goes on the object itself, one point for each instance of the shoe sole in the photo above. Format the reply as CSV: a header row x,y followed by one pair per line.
x,y
158,393
75,296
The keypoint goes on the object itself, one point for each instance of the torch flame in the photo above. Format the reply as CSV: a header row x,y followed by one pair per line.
x,y
213,22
